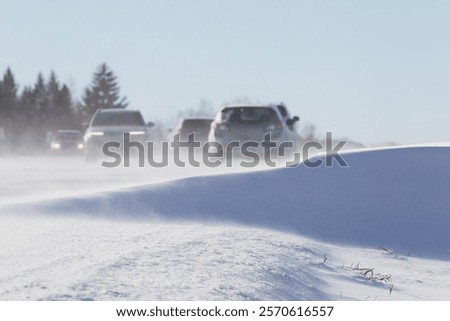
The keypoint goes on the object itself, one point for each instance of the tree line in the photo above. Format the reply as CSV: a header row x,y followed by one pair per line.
x,y
29,115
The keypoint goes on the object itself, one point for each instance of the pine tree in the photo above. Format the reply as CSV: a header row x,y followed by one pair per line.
x,y
39,115
103,92
28,123
40,97
8,104
8,95
52,106
64,112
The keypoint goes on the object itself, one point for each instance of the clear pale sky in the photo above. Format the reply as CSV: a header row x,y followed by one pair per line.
x,y
372,71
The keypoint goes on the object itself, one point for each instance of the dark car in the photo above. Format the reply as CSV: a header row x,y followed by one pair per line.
x,y
66,142
198,126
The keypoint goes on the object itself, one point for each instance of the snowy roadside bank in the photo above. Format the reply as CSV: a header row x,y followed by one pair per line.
x,y
377,230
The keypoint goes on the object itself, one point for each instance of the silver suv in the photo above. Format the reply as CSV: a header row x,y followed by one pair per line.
x,y
110,125
251,123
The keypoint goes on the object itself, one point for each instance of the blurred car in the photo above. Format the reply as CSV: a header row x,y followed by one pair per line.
x,y
66,142
109,125
243,123
198,126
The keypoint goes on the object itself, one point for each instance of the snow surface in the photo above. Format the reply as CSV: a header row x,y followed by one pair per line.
x,y
377,229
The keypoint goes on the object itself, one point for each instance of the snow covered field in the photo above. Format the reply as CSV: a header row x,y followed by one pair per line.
x,y
376,230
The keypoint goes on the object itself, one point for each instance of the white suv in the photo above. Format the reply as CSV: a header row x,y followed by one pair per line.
x,y
110,125
251,123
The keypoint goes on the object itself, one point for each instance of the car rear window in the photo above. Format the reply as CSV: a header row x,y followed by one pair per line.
x,y
249,115
118,119
68,135
193,124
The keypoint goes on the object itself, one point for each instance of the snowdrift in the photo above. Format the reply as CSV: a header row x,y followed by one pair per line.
x,y
395,198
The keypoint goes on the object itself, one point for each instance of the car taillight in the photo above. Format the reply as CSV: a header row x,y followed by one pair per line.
x,y
221,127
271,127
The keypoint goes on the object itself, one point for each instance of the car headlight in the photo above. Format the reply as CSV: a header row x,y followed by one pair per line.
x,y
95,134
137,132
56,145
80,146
